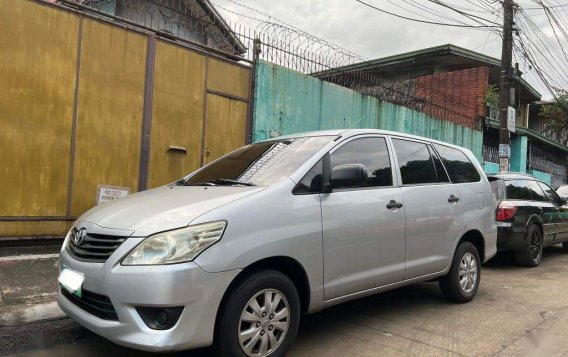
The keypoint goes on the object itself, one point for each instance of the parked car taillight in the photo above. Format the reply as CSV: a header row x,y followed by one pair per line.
x,y
505,211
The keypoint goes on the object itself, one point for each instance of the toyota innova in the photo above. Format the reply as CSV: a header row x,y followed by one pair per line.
x,y
233,254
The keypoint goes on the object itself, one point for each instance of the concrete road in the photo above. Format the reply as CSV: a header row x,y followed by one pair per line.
x,y
517,312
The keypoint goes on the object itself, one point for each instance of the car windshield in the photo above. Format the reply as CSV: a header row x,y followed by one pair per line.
x,y
258,164
563,191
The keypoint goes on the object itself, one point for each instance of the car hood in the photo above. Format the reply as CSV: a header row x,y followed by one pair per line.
x,y
163,208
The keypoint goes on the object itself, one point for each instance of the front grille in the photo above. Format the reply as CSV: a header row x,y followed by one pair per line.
x,y
96,304
96,248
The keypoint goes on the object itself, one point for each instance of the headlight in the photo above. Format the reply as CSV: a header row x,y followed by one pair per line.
x,y
67,237
177,246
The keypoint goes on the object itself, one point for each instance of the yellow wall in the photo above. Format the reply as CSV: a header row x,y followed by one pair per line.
x,y
38,66
38,52
224,116
177,113
227,78
109,121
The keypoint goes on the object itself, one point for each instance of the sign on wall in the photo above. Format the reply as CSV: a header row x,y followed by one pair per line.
x,y
511,118
107,193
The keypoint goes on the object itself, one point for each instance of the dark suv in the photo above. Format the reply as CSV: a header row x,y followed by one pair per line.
x,y
529,215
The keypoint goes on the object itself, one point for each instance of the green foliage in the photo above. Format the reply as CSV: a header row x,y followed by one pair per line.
x,y
492,96
555,114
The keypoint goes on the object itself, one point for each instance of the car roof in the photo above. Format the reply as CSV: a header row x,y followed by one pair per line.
x,y
353,132
507,175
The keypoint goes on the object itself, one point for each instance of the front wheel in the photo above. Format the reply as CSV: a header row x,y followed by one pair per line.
x,y
260,318
462,281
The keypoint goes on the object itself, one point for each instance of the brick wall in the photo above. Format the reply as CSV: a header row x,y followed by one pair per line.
x,y
456,96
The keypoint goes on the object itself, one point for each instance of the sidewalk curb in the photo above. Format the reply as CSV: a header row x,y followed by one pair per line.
x,y
30,313
39,335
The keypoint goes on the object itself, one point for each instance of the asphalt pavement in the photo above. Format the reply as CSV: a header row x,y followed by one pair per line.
x,y
517,312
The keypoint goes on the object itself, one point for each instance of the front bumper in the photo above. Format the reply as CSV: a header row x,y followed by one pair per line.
x,y
187,285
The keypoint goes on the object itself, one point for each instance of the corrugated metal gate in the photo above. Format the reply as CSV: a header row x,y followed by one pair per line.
x,y
85,101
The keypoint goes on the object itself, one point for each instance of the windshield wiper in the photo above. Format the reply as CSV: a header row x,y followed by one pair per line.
x,y
224,181
214,182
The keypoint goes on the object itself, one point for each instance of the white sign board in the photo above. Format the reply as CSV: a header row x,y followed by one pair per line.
x,y
504,150
511,119
107,193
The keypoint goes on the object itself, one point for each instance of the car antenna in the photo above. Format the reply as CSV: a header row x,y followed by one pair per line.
x,y
358,121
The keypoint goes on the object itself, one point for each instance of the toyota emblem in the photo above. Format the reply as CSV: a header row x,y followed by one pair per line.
x,y
79,237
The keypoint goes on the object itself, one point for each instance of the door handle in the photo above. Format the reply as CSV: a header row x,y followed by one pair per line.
x,y
453,199
393,204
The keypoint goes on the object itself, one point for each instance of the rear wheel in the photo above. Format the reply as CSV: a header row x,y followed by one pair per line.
x,y
462,281
260,317
565,246
531,255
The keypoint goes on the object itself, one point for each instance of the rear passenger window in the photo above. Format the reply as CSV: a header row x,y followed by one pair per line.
x,y
537,192
518,190
440,171
459,167
416,165
551,195
369,152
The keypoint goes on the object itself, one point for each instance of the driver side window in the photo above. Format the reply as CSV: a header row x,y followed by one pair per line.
x,y
369,152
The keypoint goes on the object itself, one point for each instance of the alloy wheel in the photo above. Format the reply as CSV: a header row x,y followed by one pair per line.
x,y
264,323
535,246
468,273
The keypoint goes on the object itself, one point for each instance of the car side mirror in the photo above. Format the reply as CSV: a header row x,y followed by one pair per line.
x,y
351,175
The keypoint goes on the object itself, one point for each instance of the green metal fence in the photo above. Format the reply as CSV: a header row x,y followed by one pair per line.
x,y
287,102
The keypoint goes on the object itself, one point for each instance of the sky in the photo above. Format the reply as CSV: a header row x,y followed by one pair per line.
x,y
373,34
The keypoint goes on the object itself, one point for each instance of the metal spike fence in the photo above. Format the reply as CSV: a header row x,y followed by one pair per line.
x,y
198,22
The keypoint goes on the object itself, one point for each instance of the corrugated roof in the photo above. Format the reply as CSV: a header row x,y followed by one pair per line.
x,y
444,54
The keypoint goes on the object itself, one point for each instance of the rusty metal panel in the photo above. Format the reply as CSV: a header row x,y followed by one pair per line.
x,y
227,78
38,53
225,127
34,228
177,114
109,119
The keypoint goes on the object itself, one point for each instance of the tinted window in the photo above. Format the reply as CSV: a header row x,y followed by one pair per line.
x,y
440,171
459,167
497,188
311,183
536,191
550,193
369,152
416,165
518,190
263,163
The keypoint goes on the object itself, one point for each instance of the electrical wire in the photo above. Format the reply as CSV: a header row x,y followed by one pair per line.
x,y
424,21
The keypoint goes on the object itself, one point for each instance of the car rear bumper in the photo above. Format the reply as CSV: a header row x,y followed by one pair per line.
x,y
180,285
509,238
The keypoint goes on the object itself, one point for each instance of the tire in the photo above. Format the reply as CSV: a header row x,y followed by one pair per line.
x,y
278,333
565,246
531,255
460,285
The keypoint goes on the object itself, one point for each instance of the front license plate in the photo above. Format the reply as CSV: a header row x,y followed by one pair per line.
x,y
71,280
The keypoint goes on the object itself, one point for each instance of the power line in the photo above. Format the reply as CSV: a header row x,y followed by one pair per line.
x,y
424,21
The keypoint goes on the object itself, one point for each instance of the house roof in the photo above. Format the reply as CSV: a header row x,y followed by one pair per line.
x,y
444,55
224,27
201,10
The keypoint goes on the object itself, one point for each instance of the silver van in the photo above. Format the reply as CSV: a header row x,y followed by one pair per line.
x,y
234,253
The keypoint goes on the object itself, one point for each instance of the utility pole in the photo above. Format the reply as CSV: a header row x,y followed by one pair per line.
x,y
504,85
